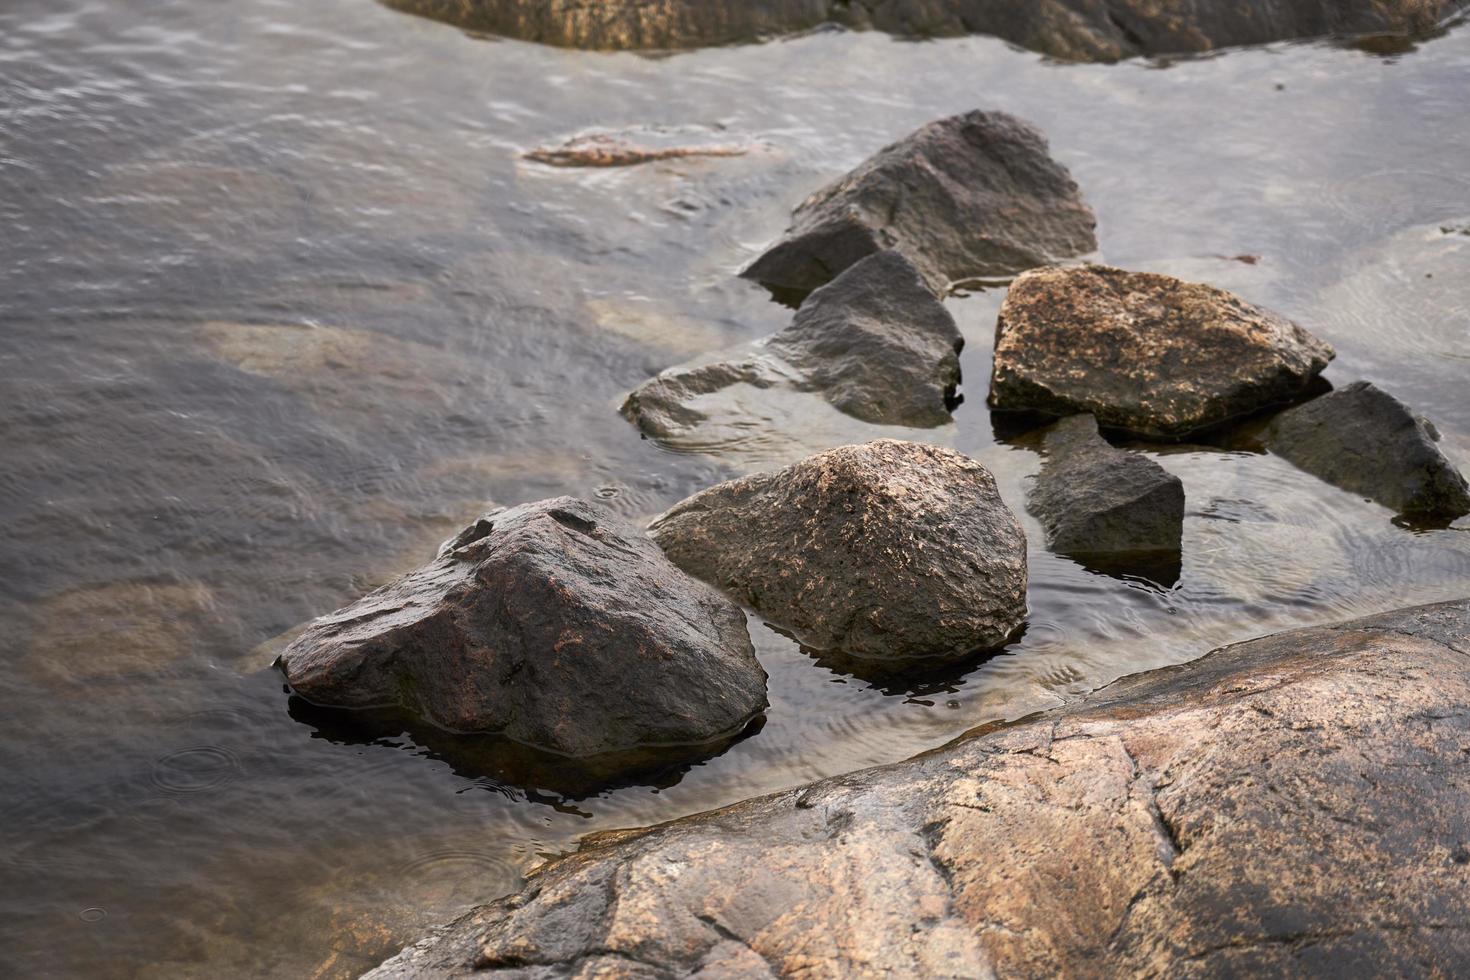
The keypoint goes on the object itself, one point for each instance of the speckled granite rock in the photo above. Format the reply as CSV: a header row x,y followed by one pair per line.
x,y
887,550
1368,442
552,623
1145,353
1297,805
874,342
1076,30
973,196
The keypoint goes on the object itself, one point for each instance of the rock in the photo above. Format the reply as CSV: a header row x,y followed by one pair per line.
x,y
1291,806
874,342
640,144
1145,353
883,551
553,624
1094,500
1074,30
1366,441
972,196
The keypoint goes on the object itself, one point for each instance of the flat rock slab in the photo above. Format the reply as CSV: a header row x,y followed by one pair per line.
x,y
886,551
1074,30
1297,805
1368,442
974,196
1095,501
553,624
874,342
1145,353
641,144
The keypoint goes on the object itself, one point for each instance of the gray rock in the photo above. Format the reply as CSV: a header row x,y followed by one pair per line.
x,y
1292,806
1094,500
1368,442
553,624
1074,30
1146,353
972,196
883,551
874,342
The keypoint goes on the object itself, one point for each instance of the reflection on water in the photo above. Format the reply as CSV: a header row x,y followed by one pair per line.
x,y
283,306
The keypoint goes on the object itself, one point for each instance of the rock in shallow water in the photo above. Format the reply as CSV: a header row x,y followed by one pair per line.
x,y
1146,353
973,196
1291,806
884,551
874,342
553,624
1368,442
1099,502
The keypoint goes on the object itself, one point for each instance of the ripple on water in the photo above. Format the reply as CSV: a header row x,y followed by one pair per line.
x,y
200,769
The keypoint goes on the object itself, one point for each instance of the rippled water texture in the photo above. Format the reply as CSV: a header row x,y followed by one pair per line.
x,y
281,306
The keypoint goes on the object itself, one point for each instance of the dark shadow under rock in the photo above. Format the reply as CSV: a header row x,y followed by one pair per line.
x,y
974,196
554,624
1366,441
1146,354
874,343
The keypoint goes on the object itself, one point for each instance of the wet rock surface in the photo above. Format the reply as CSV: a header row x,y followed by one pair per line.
x,y
1294,805
1097,502
883,551
1145,353
1076,30
1366,441
553,624
874,343
973,196
641,144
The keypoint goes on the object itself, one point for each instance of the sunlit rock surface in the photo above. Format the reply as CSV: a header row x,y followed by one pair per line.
x,y
1294,805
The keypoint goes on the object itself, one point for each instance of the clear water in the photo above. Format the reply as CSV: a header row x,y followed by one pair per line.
x,y
282,306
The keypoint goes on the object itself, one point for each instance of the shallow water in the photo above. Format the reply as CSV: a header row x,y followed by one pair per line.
x,y
282,307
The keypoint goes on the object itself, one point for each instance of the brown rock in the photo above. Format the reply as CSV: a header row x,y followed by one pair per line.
x,y
1145,353
1297,805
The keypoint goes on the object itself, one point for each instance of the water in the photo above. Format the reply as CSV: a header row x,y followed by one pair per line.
x,y
282,307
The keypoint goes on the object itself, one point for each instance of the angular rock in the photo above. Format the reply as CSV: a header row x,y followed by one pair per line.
x,y
1146,353
1094,500
883,551
1074,30
1296,805
874,342
973,196
553,624
1366,441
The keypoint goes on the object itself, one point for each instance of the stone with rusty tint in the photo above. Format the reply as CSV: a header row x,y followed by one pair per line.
x,y
1297,805
873,342
1075,30
884,551
973,196
1145,353
552,623
1368,442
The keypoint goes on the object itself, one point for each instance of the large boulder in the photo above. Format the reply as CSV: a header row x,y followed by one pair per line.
x,y
1097,502
885,551
553,624
1368,442
973,196
1145,353
873,342
1297,805
1076,30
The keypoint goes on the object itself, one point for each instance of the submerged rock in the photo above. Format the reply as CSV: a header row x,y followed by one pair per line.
x,y
973,196
1290,806
873,342
884,551
1146,353
553,624
1099,502
1368,442
640,144
1075,30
